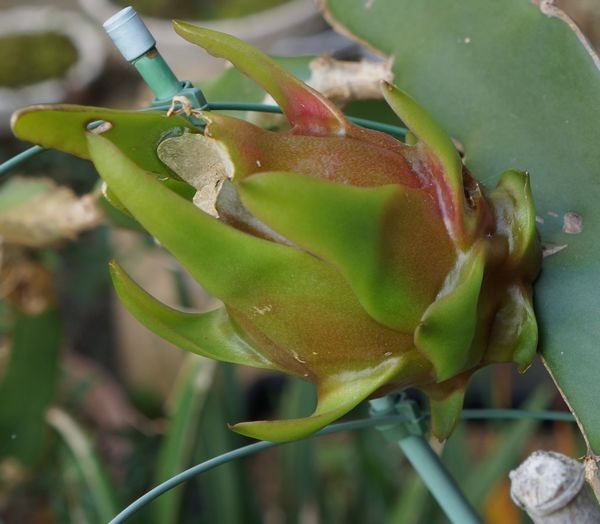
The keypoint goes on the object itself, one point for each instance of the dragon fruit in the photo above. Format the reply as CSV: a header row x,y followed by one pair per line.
x,y
342,256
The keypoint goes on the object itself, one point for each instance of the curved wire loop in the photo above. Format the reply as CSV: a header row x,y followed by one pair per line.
x,y
180,478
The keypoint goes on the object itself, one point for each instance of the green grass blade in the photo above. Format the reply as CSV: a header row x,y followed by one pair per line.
x,y
298,473
512,440
92,480
175,455
227,494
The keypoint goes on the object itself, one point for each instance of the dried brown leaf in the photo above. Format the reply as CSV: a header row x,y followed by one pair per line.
x,y
38,212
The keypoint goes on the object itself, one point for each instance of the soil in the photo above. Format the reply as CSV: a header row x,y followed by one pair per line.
x,y
31,58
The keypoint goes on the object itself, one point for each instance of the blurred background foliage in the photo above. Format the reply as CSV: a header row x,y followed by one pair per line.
x,y
95,410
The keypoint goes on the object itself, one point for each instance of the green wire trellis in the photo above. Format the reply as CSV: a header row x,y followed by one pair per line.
x,y
353,425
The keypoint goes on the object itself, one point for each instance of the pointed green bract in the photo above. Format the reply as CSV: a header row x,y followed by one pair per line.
x,y
448,326
64,127
424,127
445,405
514,207
514,334
337,395
381,238
308,111
208,334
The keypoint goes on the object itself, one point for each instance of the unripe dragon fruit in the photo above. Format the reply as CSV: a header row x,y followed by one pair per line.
x,y
342,256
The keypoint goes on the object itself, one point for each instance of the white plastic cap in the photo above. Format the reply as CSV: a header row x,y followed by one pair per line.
x,y
129,33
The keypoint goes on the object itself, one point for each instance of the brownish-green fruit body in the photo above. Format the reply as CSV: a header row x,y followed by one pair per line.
x,y
341,255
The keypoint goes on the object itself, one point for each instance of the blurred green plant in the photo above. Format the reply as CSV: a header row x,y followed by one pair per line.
x,y
199,9
28,385
31,58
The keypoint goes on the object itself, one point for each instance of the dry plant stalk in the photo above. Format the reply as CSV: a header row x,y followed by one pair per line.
x,y
551,488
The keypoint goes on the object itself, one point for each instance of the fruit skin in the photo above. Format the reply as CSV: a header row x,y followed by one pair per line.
x,y
342,256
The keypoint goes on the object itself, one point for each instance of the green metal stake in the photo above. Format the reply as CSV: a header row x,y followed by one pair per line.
x,y
157,74
137,45
409,436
